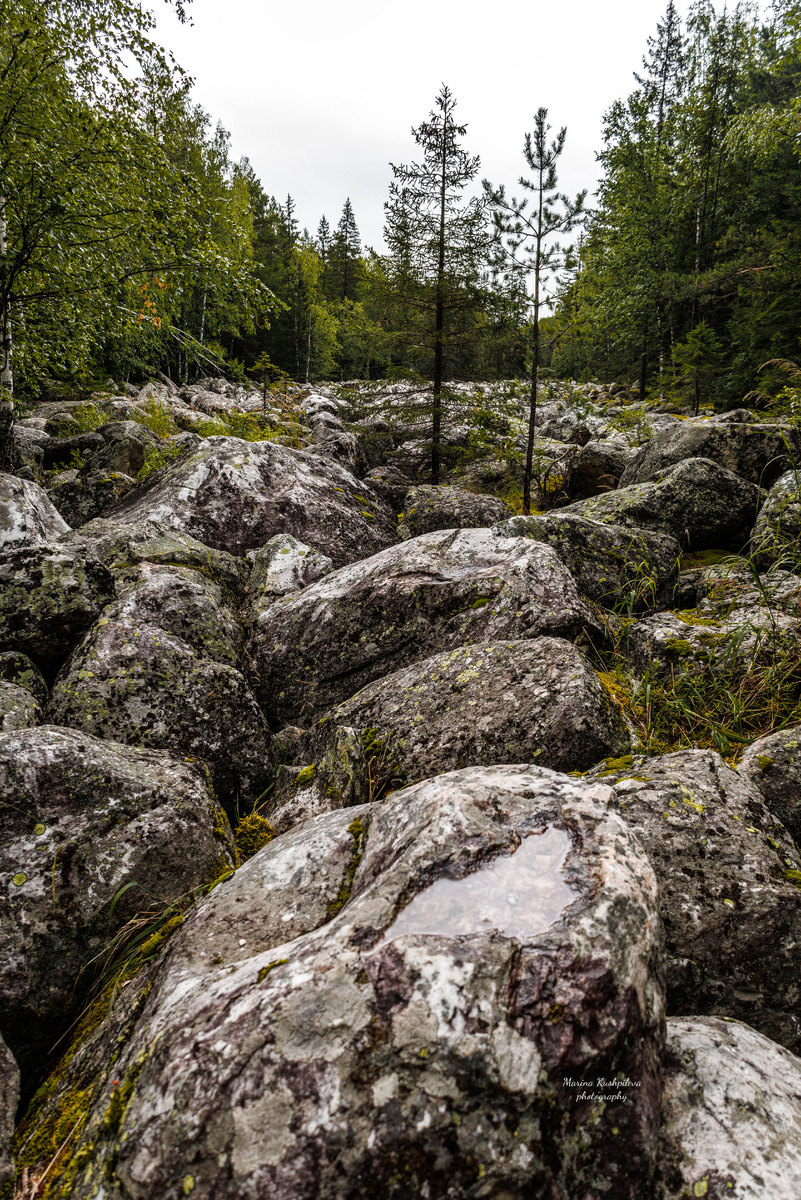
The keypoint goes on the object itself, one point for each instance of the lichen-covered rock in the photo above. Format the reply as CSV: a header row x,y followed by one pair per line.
x,y
314,648
731,1114
9,1099
615,566
81,819
18,708
444,1025
339,777
728,872
183,602
486,703
775,536
109,474
773,765
235,495
18,668
758,453
598,468
427,508
60,451
27,516
49,598
698,502
131,681
390,484
123,547
674,643
284,565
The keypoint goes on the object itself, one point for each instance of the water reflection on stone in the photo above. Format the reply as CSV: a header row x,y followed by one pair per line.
x,y
519,895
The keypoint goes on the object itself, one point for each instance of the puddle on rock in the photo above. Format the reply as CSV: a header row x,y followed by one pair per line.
x,y
518,895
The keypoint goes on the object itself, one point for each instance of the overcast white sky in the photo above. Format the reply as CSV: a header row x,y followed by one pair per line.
x,y
321,95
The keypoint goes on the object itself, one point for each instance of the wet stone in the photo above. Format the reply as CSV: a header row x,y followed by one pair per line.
x,y
519,895
313,1059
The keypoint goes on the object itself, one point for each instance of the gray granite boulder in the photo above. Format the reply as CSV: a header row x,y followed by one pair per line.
x,y
312,649
123,547
598,468
82,819
183,602
731,1114
759,453
27,516
425,997
49,598
133,681
775,536
9,1099
234,495
772,764
728,873
489,702
698,502
427,508
612,565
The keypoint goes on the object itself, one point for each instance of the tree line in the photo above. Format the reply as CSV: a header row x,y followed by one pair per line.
x,y
132,243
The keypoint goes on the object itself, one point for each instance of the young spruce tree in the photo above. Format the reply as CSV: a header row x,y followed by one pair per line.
x,y
436,238
523,236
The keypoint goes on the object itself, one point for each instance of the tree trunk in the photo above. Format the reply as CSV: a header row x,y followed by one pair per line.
x,y
439,319
6,346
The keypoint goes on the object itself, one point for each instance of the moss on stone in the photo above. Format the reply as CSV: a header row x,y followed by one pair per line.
x,y
358,832
252,833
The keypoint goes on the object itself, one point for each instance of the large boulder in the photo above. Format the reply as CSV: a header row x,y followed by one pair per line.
x,y
123,547
598,468
183,602
775,536
312,649
133,681
27,516
698,502
468,1015
731,1114
772,764
727,871
49,597
427,508
83,819
486,703
759,453
9,1099
613,565
234,495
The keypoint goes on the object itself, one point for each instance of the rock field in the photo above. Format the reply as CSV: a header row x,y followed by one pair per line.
x,y
366,840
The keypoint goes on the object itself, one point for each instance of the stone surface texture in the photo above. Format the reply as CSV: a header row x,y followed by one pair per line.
x,y
756,452
613,565
82,818
312,649
234,495
726,868
698,502
731,1114
27,516
49,597
490,702
427,508
343,1063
